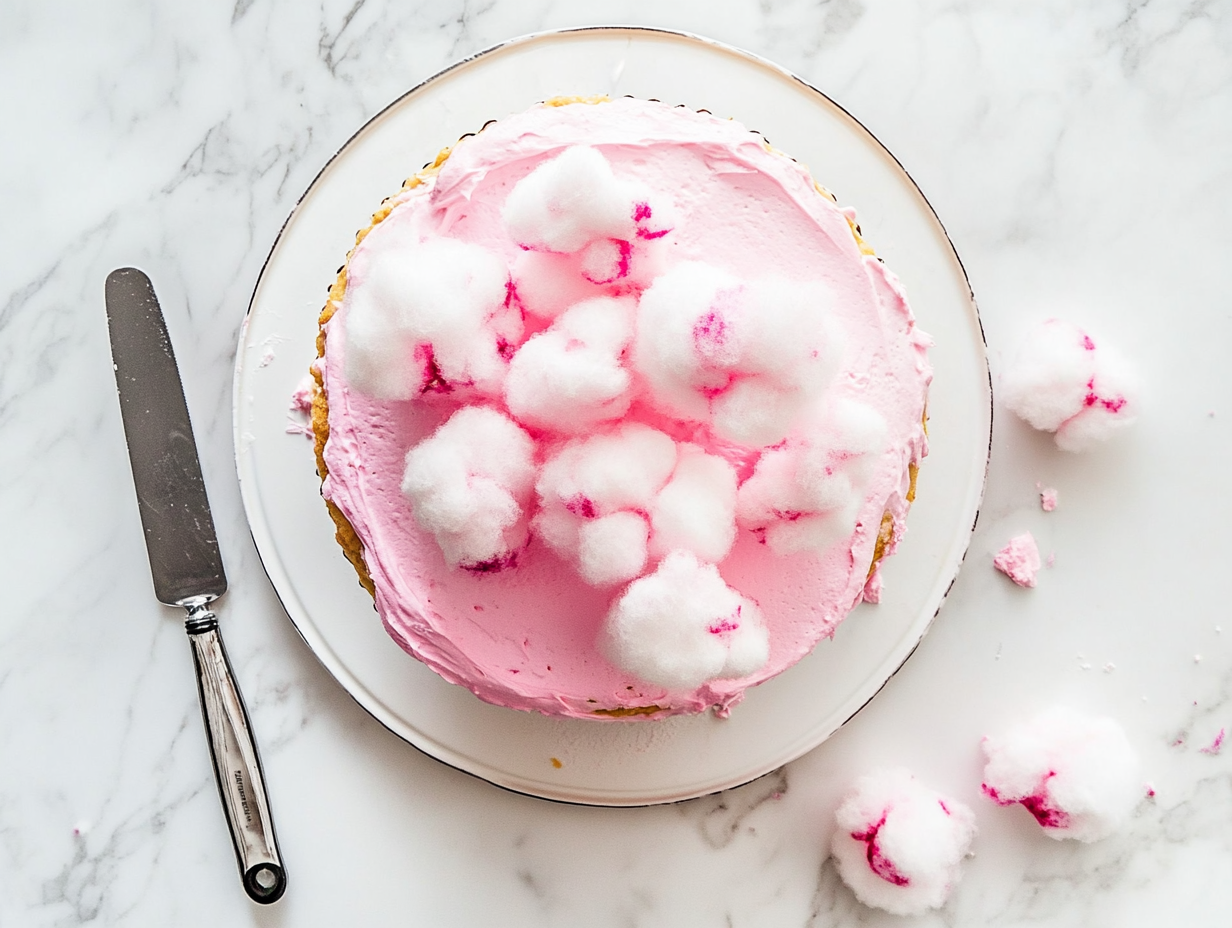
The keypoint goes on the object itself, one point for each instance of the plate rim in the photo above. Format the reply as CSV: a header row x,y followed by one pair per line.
x,y
314,638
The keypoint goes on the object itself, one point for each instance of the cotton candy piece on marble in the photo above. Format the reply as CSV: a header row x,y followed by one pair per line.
x,y
696,510
427,316
1019,559
593,478
1064,382
1076,774
469,484
749,358
806,495
568,202
683,626
899,844
570,377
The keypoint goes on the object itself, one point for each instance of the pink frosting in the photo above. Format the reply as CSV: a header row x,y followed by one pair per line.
x,y
1019,559
525,636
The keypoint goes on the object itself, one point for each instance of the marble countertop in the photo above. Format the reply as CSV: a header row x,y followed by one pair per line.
x,y
1078,155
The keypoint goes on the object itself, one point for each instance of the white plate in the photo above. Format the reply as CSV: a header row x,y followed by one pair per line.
x,y
605,763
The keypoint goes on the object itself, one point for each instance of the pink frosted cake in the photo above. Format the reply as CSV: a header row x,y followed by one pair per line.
x,y
617,413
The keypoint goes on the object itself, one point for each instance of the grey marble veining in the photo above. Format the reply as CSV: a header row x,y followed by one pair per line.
x,y
1080,156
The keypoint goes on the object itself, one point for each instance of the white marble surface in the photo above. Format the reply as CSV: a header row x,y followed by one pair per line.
x,y
1079,155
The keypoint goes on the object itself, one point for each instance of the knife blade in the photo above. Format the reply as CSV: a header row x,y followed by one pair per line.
x,y
185,562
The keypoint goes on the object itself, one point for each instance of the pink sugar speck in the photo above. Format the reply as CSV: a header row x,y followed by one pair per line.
x,y
1215,746
581,505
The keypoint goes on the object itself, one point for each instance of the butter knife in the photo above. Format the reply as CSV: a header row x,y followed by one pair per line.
x,y
185,561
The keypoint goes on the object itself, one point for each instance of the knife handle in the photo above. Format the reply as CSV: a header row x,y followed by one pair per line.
x,y
237,768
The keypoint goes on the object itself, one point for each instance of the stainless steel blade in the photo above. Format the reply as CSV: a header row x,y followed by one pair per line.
x,y
175,512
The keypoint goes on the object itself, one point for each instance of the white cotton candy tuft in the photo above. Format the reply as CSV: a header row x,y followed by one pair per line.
x,y
426,316
748,357
593,478
899,844
568,202
570,377
1062,381
682,626
468,484
696,510
806,495
1077,775
547,284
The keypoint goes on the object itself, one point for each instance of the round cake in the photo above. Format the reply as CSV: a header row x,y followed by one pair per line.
x,y
617,413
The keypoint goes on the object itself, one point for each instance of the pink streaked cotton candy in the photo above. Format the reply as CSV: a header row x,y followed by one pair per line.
x,y
805,496
571,377
469,483
1019,559
899,844
569,202
615,502
1077,775
748,358
1048,498
682,626
427,316
589,480
1063,381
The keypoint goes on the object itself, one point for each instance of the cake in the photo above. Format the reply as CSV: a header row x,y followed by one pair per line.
x,y
617,414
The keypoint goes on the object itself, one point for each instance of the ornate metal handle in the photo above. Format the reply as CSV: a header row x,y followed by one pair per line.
x,y
237,767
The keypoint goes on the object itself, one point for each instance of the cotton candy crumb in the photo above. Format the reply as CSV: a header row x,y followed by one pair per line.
x,y
300,407
1048,499
1077,775
1063,382
1019,559
468,484
899,844
682,626
301,399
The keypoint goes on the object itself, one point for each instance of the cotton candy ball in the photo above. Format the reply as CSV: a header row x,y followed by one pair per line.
x,y
468,484
806,495
568,202
899,844
424,316
606,260
570,377
547,284
749,358
1063,382
696,510
682,626
1077,775
589,479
